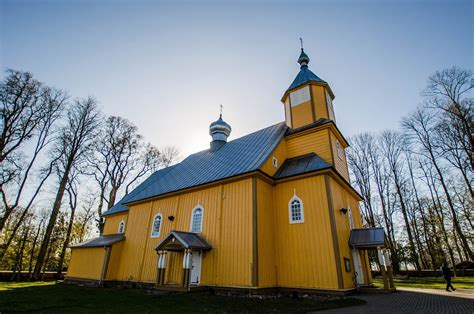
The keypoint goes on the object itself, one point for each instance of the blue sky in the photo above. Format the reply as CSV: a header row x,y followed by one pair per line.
x,y
167,65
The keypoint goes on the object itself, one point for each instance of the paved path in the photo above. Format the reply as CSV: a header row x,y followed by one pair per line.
x,y
416,301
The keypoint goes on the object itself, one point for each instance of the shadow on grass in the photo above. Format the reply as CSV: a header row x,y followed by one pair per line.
x,y
40,297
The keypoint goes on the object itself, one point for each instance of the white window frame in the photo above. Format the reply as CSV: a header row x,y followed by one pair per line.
x,y
121,226
300,96
192,218
152,235
275,162
290,216
350,217
340,153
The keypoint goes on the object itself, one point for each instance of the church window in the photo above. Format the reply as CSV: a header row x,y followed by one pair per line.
x,y
339,150
156,227
351,218
275,162
295,208
330,106
300,96
121,228
196,220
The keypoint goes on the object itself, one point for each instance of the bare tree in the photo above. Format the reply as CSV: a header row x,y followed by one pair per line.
x,y
74,141
392,146
447,90
120,158
420,128
29,111
359,163
71,189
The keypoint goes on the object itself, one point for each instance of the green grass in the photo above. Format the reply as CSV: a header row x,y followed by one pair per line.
x,y
51,297
429,282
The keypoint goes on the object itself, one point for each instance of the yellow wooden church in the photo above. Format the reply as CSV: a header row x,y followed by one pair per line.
x,y
272,210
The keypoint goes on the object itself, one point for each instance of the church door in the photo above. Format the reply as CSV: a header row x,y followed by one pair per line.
x,y
196,267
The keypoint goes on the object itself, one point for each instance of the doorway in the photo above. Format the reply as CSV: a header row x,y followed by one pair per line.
x,y
196,267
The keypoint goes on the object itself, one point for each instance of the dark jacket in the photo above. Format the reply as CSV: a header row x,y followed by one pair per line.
x,y
445,271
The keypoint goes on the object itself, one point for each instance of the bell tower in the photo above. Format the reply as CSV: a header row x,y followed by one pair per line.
x,y
308,99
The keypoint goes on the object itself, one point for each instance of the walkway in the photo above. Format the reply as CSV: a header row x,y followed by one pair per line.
x,y
415,301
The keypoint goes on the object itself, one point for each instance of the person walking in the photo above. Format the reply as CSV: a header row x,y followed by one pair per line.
x,y
446,273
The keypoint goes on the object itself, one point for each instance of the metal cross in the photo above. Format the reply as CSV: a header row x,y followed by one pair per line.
x,y
221,108
301,42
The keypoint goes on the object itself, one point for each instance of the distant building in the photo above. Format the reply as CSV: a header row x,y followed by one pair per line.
x,y
271,210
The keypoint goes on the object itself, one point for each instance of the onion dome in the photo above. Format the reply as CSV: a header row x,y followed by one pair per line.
x,y
303,60
220,131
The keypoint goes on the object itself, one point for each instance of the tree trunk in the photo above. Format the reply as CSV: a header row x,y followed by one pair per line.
x,y
407,223
52,221
451,207
66,242
33,247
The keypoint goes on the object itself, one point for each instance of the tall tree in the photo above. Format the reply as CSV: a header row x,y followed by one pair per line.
x,y
121,158
359,162
392,146
448,90
29,112
420,128
73,143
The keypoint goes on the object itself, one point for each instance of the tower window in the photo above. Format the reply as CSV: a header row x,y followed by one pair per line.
x,y
275,162
300,96
340,154
156,227
330,106
295,208
121,227
196,219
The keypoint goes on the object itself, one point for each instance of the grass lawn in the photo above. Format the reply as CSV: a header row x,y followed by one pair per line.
x,y
429,282
51,297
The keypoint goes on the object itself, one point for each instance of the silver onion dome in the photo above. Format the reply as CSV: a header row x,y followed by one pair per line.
x,y
220,131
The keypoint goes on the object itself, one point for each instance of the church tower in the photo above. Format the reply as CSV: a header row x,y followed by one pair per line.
x,y
308,99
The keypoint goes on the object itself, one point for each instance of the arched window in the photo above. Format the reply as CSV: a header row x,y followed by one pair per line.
x,y
196,219
121,228
156,227
295,208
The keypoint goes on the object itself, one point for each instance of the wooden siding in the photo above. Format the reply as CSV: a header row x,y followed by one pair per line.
x,y
343,199
280,154
130,264
227,226
339,164
316,142
112,222
266,235
302,114
86,263
114,260
304,255
319,100
174,268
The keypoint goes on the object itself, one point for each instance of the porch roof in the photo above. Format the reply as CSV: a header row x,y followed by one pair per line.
x,y
104,240
367,238
186,240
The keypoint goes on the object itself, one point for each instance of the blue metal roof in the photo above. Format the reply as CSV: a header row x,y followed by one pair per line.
x,y
239,156
299,165
304,77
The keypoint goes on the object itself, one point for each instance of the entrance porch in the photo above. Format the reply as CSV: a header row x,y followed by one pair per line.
x,y
184,250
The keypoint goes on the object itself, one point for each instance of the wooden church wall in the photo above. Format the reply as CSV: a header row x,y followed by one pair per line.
x,y
112,223
304,255
86,263
227,226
